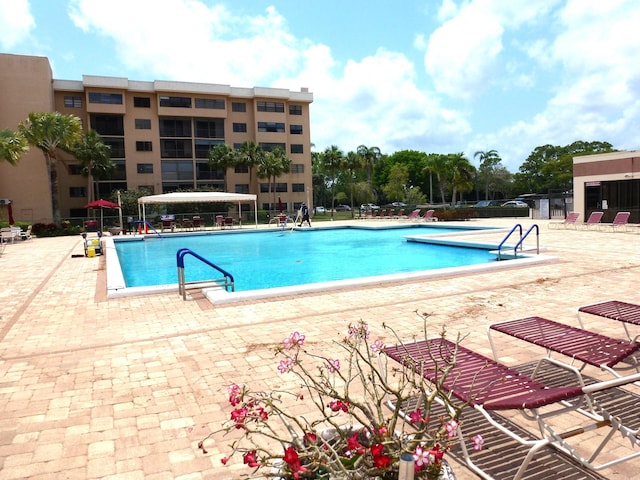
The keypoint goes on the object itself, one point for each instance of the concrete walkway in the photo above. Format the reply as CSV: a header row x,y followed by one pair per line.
x,y
125,388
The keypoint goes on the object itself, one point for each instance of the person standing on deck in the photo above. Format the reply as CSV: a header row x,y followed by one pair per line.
x,y
304,211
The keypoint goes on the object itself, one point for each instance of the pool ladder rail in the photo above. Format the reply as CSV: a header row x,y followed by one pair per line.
x,y
519,244
227,282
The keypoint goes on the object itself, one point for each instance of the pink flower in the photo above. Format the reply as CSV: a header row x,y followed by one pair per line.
x,y
416,416
235,394
353,445
285,365
249,458
333,366
377,346
337,405
359,330
294,340
478,442
224,460
452,429
422,456
239,415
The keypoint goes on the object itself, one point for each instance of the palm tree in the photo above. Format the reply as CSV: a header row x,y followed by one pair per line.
x,y
273,164
332,161
95,157
221,157
437,164
12,146
461,174
352,163
49,132
488,161
371,156
250,154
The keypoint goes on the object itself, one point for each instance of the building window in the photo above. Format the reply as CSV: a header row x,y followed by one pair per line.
x,y
205,172
142,102
271,127
242,188
75,169
210,128
175,127
279,187
173,170
297,168
145,167
297,187
72,102
271,107
143,124
295,109
143,147
116,145
119,173
213,103
268,146
77,192
105,98
240,127
295,129
175,148
107,124
297,148
238,107
177,102
203,147
241,169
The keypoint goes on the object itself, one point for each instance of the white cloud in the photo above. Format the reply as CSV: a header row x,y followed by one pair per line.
x,y
16,22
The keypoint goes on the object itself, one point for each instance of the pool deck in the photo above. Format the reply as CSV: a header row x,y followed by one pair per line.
x,y
125,388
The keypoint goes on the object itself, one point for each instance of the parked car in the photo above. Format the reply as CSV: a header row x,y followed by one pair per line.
x,y
369,206
343,208
487,203
397,204
321,210
514,203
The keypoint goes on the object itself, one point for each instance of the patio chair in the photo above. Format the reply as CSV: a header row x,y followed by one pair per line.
x,y
578,344
619,222
428,216
228,222
627,313
489,387
8,234
413,215
26,235
198,223
570,221
594,219
220,221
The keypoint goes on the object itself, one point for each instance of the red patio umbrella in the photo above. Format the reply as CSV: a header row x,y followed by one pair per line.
x,y
10,211
280,204
101,204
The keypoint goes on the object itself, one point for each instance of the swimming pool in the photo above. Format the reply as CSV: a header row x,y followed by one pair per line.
x,y
275,262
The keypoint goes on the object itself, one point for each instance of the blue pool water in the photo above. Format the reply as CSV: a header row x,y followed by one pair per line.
x,y
268,259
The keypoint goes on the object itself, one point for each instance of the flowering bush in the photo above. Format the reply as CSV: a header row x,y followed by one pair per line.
x,y
366,420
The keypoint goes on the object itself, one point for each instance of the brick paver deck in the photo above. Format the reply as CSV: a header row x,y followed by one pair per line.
x,y
125,388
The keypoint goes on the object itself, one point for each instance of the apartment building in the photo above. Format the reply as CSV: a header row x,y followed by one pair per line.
x,y
160,133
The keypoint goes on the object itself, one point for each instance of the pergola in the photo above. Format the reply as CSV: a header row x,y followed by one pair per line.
x,y
197,197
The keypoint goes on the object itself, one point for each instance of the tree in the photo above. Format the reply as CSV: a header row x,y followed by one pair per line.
x,y
273,164
50,132
221,157
332,161
352,163
95,158
397,184
249,154
370,156
461,174
12,146
436,164
489,160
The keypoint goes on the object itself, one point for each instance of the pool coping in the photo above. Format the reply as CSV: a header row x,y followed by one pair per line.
x,y
116,286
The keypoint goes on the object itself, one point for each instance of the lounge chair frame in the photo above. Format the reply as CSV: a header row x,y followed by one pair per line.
x,y
570,221
489,386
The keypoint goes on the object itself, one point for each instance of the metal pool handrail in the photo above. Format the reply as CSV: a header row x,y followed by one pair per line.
x,y
226,282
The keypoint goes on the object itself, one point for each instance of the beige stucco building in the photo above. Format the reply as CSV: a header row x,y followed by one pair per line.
x,y
160,133
607,182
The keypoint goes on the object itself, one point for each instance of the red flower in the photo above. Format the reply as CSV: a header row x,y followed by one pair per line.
x,y
310,438
249,458
338,405
380,460
353,445
238,416
291,458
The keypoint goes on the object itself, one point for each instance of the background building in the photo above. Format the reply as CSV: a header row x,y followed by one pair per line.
x,y
160,134
607,182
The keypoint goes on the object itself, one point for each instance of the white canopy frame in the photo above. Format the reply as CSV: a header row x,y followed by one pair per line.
x,y
198,197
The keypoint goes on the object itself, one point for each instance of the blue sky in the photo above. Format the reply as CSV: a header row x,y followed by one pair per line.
x,y
438,76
